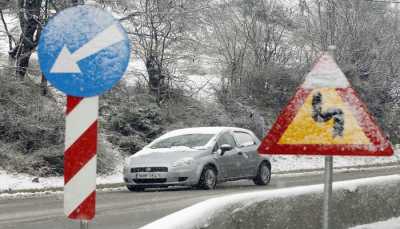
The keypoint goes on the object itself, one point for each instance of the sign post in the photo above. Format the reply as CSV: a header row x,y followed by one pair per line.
x,y
82,58
326,117
328,175
84,224
80,157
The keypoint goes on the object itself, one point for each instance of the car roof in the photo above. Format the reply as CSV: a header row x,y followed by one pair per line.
x,y
202,130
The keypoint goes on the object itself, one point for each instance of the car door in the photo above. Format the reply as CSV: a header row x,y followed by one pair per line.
x,y
247,149
228,162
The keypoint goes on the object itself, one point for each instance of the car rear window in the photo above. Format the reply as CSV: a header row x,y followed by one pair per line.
x,y
188,140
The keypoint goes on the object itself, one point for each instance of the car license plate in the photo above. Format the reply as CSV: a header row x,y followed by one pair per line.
x,y
149,175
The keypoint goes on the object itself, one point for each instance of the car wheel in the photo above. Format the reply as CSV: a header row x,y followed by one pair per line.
x,y
208,179
263,175
133,188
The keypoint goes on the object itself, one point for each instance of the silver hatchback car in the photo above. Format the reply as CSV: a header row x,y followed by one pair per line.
x,y
199,157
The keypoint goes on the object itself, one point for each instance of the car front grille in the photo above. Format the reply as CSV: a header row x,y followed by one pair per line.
x,y
181,179
147,181
149,169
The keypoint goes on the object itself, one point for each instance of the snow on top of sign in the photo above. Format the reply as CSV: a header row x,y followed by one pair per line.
x,y
93,21
325,74
100,70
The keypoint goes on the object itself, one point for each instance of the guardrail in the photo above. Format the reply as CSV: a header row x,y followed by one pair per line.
x,y
354,202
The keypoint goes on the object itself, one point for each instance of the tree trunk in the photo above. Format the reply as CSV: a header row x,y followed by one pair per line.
x,y
29,21
156,78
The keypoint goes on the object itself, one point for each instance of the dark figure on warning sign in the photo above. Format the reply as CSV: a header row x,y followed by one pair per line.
x,y
335,113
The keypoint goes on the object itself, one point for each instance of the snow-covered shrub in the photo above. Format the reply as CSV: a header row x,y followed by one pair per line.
x,y
108,156
33,126
32,131
132,118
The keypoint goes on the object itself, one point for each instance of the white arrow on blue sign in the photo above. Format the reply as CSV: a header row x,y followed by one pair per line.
x,y
83,51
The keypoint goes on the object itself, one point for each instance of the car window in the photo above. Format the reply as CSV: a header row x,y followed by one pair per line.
x,y
188,140
226,139
244,139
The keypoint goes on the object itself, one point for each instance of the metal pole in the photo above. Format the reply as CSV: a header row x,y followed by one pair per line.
x,y
328,176
327,191
84,224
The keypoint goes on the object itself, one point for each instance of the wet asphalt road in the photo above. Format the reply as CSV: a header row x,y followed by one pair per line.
x,y
124,209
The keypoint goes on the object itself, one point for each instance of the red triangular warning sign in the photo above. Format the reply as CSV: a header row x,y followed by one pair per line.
x,y
326,117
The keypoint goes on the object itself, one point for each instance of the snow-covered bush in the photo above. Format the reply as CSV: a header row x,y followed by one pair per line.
x,y
32,131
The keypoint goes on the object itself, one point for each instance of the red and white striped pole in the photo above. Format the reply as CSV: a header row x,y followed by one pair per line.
x,y
80,157
82,63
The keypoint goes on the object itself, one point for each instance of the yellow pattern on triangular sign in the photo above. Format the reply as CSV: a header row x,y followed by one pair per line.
x,y
304,130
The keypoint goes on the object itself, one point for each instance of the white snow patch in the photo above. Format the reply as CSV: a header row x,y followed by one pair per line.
x,y
9,182
136,71
393,223
202,86
24,195
16,182
200,214
326,74
199,85
337,170
282,163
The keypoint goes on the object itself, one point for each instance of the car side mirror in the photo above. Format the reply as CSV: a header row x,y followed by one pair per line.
x,y
224,148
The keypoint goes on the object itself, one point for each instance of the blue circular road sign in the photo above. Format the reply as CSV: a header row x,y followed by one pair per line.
x,y
83,51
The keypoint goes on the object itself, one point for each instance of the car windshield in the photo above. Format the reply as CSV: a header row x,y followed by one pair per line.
x,y
187,140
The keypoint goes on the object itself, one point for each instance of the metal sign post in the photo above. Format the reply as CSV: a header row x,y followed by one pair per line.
x,y
84,224
328,177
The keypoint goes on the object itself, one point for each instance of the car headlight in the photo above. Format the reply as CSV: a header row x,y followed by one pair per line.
x,y
188,161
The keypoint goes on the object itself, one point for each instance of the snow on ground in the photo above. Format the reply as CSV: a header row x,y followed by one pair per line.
x,y
198,215
11,182
293,162
14,182
204,86
24,181
201,76
393,223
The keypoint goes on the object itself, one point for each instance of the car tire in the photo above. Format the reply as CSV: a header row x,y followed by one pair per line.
x,y
133,188
263,174
208,178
